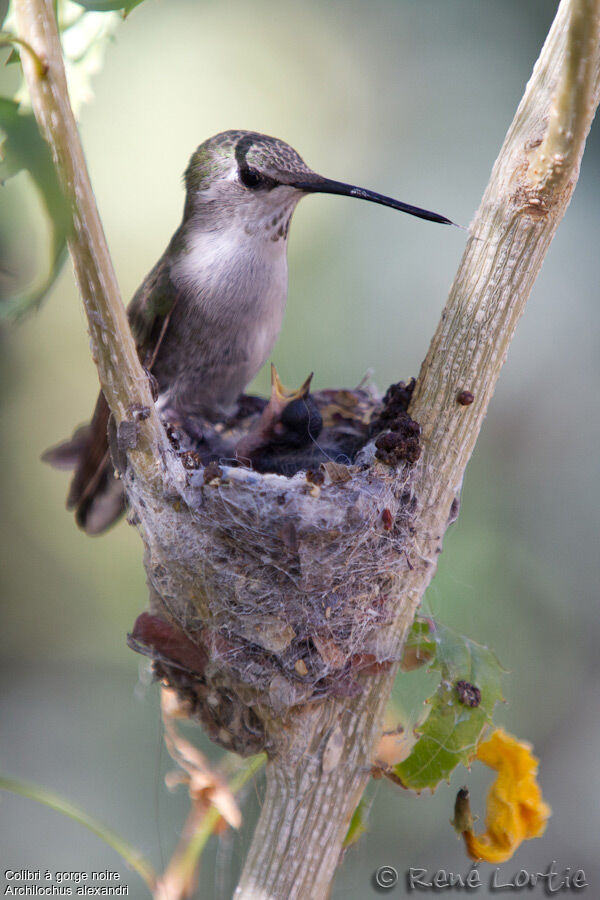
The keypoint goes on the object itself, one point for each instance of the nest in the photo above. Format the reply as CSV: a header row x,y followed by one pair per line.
x,y
270,591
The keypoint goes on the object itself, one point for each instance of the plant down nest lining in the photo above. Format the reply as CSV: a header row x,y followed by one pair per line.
x,y
268,591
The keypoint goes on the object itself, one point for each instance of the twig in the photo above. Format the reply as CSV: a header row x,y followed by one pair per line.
x,y
294,855
8,40
569,117
121,375
131,856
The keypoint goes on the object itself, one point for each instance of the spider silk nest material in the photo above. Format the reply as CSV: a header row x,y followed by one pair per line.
x,y
266,591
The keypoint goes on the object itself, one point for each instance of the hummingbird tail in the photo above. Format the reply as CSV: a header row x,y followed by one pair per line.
x,y
95,494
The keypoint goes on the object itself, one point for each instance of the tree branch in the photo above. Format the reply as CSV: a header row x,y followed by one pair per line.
x,y
320,750
122,378
511,232
569,119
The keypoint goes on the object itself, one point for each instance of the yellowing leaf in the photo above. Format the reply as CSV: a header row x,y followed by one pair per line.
x,y
394,747
460,709
516,811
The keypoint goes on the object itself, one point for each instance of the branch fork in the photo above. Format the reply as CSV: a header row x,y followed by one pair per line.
x,y
311,794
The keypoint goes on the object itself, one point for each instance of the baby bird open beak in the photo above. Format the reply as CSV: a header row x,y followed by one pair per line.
x,y
288,419
282,396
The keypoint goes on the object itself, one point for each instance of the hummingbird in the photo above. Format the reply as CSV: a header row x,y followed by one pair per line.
x,y
207,316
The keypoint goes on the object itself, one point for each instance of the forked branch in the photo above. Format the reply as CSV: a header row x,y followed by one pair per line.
x,y
311,792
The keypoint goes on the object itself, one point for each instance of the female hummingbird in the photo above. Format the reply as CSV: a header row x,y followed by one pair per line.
x,y
206,317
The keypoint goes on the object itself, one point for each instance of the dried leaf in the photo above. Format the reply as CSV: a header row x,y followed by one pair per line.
x,y
337,472
204,785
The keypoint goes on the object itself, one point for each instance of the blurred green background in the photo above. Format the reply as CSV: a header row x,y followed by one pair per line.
x,y
413,100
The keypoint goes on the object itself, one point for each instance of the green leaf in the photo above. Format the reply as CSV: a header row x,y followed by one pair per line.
x,y
419,647
358,824
131,856
3,11
131,6
23,148
13,57
109,5
460,708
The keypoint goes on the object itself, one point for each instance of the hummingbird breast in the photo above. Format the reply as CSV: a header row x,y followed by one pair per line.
x,y
231,289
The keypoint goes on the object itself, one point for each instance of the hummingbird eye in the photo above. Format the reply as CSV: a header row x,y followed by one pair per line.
x,y
253,179
250,178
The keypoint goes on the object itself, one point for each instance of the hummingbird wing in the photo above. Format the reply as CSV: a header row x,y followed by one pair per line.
x,y
95,494
150,310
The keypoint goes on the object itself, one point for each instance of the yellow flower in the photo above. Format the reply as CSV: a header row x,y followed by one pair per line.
x,y
515,810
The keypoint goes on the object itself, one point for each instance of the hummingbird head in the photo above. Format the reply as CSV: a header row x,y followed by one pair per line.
x,y
242,178
260,179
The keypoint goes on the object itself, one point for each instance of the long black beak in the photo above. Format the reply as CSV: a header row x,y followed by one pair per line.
x,y
316,184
